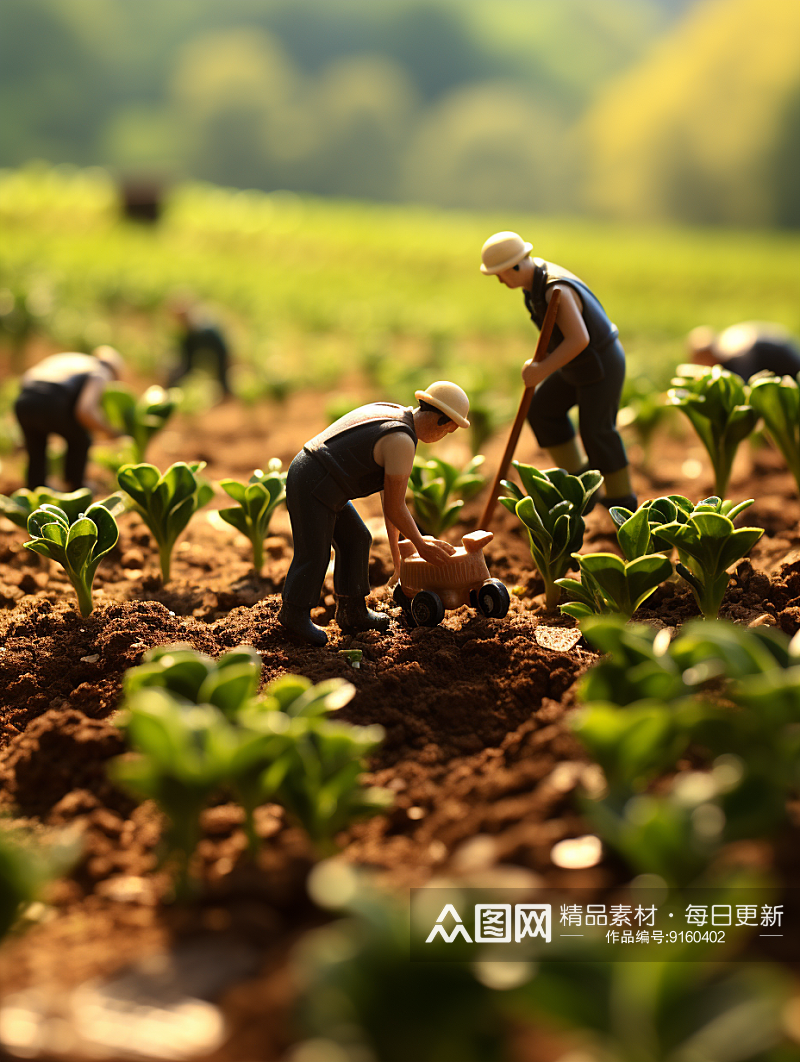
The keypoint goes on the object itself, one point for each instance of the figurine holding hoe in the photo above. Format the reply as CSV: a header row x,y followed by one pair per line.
x,y
581,364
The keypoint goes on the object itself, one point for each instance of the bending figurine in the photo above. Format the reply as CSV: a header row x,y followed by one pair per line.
x,y
366,451
61,395
746,348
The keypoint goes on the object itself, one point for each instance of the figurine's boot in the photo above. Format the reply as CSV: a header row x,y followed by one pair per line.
x,y
618,490
298,621
352,615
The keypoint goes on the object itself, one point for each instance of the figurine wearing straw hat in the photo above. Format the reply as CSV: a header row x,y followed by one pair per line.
x,y
584,366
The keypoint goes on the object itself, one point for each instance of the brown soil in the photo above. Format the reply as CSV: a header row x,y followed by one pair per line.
x,y
473,712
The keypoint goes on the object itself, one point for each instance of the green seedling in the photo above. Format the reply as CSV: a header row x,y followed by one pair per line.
x,y
228,683
716,403
661,686
183,754
352,656
552,511
313,765
140,418
351,970
675,836
633,745
439,491
642,664
711,544
166,502
78,547
674,508
317,779
279,746
636,663
719,649
23,312
777,401
258,499
609,584
665,510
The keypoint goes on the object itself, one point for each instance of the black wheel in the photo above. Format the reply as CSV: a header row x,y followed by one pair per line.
x,y
493,599
404,602
427,609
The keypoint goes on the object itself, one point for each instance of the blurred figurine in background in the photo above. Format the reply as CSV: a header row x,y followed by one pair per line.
x,y
368,450
746,348
584,367
61,396
200,340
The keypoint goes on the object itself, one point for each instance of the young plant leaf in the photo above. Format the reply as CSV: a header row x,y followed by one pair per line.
x,y
78,548
166,502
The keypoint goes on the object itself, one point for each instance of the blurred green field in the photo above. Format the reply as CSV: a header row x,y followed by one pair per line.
x,y
311,290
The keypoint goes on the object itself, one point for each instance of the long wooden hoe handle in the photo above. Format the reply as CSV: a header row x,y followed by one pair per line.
x,y
522,412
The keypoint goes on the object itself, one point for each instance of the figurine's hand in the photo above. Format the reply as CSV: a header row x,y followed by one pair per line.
x,y
435,550
533,372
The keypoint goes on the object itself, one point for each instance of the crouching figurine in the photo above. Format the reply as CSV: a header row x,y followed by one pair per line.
x,y
367,451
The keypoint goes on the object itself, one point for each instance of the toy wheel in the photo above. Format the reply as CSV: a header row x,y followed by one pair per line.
x,y
427,609
404,602
493,599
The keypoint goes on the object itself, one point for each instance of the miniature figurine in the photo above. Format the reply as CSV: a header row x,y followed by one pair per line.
x,y
199,339
746,348
368,450
61,395
426,590
585,366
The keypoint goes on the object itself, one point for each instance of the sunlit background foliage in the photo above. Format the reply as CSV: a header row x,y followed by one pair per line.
x,y
634,109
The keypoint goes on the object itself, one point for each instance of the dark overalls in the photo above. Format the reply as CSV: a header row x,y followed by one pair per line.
x,y
593,380
332,468
44,407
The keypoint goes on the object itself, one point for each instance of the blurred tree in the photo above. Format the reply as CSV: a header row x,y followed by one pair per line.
x,y
365,106
47,86
703,130
438,100
242,108
491,143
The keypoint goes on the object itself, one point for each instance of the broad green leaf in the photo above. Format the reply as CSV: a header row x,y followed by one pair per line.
x,y
236,518
644,574
634,535
235,490
80,542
